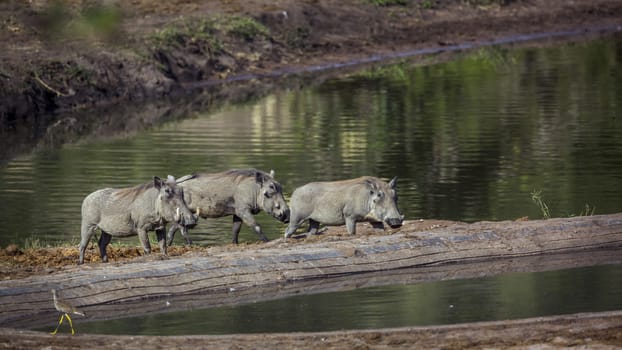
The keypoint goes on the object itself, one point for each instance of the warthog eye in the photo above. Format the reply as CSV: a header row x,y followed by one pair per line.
x,y
266,194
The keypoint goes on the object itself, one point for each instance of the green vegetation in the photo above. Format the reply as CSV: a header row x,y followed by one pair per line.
x,y
427,4
100,20
394,72
208,35
588,210
33,242
93,22
297,37
494,56
536,197
244,27
199,32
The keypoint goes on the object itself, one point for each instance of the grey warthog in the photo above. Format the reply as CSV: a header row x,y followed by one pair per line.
x,y
134,210
238,192
349,201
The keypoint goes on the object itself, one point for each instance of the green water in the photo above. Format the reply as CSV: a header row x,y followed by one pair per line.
x,y
469,139
507,296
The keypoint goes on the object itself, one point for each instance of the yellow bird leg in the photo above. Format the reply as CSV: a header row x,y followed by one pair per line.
x,y
70,324
59,323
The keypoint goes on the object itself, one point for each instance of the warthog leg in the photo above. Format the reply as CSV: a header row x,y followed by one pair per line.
x,y
313,227
86,233
104,239
144,239
237,225
171,234
184,234
351,225
161,235
248,218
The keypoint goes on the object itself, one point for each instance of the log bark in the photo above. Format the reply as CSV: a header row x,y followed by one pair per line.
x,y
330,262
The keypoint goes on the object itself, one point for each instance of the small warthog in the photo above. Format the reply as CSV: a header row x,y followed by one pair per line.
x,y
349,201
134,210
238,192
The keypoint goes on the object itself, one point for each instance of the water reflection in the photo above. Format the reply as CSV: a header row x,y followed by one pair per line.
x,y
469,140
508,296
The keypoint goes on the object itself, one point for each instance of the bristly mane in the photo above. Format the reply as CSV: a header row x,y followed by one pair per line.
x,y
243,172
133,192
363,180
246,173
236,175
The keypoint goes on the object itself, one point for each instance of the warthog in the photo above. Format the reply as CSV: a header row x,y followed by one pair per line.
x,y
134,210
238,192
349,201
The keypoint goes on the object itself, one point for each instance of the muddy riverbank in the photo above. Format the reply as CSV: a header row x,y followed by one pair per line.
x,y
77,55
580,331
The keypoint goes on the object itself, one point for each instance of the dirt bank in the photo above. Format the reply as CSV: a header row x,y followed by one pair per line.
x,y
580,331
76,54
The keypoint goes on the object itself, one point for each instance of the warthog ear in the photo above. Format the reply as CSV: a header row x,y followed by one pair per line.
x,y
259,177
373,187
372,184
170,179
393,182
157,182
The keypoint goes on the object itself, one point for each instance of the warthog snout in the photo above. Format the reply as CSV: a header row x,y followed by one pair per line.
x,y
190,220
187,219
395,222
284,216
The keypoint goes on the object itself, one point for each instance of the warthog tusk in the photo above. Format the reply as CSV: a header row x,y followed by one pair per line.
x,y
371,216
198,211
177,217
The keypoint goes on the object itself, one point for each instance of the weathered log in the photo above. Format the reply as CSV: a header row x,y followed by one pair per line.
x,y
281,268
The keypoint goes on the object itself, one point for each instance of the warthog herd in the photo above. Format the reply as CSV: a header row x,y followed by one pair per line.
x,y
241,193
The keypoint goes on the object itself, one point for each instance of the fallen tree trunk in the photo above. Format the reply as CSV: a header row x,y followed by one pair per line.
x,y
281,268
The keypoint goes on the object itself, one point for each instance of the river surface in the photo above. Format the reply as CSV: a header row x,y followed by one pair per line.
x,y
502,297
471,139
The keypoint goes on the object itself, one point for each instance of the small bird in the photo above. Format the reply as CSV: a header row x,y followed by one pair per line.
x,y
66,309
